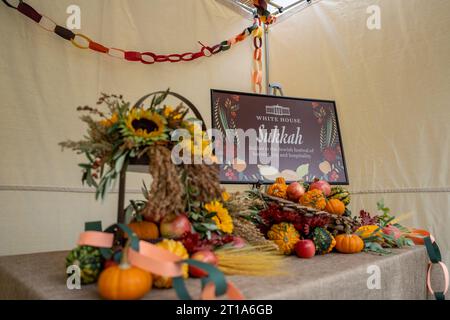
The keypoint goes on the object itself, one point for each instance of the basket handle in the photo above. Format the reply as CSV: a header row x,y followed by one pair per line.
x,y
176,95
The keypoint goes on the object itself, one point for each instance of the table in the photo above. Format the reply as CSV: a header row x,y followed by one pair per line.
x,y
334,276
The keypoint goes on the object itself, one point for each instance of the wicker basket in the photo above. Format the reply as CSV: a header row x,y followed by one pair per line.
x,y
339,224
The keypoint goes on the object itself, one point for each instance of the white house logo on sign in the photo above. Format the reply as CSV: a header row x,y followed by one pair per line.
x,y
278,110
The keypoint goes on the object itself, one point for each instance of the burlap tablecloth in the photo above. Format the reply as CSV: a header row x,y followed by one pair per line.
x,y
334,276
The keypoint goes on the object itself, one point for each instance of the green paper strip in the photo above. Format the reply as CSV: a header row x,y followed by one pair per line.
x,y
433,250
214,275
93,226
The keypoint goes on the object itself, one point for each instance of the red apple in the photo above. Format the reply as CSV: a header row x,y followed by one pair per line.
x,y
239,242
305,249
392,231
109,263
174,226
203,256
295,191
322,186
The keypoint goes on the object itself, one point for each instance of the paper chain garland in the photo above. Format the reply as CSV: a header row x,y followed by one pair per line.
x,y
435,258
82,41
156,260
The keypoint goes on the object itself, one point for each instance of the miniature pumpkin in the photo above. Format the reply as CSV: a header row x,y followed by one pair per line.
x,y
340,194
335,206
278,189
89,260
177,248
314,199
144,230
323,240
285,237
369,231
349,243
124,282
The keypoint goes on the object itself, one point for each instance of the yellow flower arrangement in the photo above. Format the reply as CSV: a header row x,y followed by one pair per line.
x,y
225,196
170,112
222,218
145,123
167,111
111,121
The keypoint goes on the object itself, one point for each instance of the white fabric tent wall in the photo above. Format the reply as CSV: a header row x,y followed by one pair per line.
x,y
391,88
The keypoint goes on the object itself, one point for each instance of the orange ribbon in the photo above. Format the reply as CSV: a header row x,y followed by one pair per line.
x,y
154,259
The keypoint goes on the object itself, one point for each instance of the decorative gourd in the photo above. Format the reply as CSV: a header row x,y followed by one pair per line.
x,y
89,260
392,231
285,237
340,194
278,189
369,231
144,230
177,248
323,240
314,199
124,282
349,243
335,206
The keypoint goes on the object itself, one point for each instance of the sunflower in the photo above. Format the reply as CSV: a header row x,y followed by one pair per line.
x,y
167,111
145,124
109,122
222,218
225,196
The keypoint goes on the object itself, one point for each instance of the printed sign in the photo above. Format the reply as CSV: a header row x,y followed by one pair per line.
x,y
303,133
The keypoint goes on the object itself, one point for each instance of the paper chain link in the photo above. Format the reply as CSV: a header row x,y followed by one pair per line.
x,y
435,258
82,41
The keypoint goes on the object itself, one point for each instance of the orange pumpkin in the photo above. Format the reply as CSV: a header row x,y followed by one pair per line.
x,y
313,199
144,230
335,206
278,189
349,243
124,282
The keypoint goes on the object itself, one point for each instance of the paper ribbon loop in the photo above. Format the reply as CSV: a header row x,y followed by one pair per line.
x,y
96,239
159,261
232,293
9,4
433,250
215,277
446,279
435,258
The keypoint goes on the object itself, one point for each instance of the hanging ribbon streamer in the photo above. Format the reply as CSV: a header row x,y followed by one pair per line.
x,y
159,261
435,259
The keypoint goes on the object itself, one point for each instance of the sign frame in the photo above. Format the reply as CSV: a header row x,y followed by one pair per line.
x,y
267,182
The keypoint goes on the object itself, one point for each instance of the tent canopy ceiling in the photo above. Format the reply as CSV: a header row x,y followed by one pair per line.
x,y
276,7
